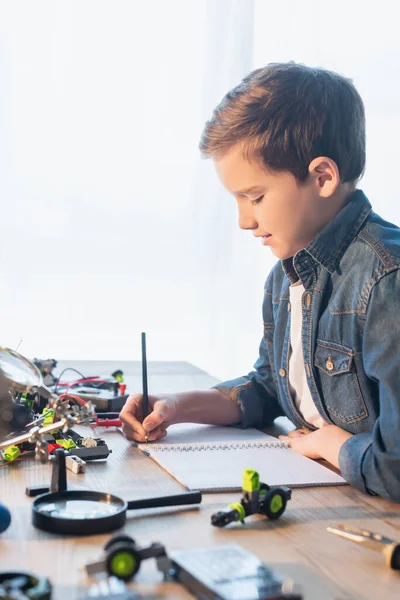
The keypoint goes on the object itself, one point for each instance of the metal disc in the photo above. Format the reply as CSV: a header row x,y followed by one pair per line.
x,y
78,512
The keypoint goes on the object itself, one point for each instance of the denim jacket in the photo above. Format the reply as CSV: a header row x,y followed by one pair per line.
x,y
351,344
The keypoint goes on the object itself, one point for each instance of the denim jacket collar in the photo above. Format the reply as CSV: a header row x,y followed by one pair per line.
x,y
329,245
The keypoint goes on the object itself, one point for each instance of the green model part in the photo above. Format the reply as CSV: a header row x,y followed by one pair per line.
x,y
11,453
257,498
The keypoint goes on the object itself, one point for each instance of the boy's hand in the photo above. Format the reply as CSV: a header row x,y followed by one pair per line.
x,y
322,443
162,411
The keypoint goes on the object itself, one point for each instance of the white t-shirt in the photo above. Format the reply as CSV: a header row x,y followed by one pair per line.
x,y
297,375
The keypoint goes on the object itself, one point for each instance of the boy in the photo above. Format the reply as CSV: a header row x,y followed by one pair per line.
x,y
289,143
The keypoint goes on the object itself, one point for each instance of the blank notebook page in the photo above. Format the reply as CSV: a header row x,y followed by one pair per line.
x,y
218,464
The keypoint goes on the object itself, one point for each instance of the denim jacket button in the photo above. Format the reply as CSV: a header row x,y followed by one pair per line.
x,y
329,364
308,300
289,307
282,372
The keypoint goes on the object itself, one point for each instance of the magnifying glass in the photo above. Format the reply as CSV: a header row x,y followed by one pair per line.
x,y
18,375
81,512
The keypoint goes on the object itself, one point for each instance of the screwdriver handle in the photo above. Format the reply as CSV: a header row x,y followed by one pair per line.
x,y
393,557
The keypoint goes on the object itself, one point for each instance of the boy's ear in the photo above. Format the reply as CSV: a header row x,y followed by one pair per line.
x,y
325,173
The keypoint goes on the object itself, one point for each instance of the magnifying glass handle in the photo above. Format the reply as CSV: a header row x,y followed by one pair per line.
x,y
177,500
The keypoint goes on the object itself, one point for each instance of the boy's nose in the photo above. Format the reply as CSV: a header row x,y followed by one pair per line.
x,y
247,222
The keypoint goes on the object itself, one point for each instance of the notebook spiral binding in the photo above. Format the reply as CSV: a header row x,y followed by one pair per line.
x,y
218,446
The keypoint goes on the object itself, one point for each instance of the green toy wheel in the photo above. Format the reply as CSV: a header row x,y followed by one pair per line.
x,y
118,539
123,561
275,503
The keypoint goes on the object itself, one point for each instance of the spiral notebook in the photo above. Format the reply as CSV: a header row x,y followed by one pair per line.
x,y
212,459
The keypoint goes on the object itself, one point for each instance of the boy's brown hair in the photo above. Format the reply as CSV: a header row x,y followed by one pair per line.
x,y
287,114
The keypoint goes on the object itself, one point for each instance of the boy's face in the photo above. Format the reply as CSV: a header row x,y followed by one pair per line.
x,y
284,214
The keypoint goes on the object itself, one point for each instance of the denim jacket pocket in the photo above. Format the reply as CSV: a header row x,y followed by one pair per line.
x,y
339,382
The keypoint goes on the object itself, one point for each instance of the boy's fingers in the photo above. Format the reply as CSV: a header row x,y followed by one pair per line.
x,y
131,405
285,438
157,434
156,422
128,432
299,432
129,420
157,417
293,434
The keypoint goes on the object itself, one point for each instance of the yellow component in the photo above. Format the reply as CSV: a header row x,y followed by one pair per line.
x,y
240,508
11,453
49,418
67,444
251,480
123,564
62,443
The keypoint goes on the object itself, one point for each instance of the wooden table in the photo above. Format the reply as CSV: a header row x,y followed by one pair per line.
x,y
297,545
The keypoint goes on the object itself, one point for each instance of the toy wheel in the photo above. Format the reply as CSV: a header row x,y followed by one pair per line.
x,y
274,503
123,561
24,585
116,539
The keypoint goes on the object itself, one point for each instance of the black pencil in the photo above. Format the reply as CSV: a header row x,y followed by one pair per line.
x,y
145,400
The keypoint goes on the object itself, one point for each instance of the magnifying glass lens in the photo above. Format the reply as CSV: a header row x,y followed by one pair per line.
x,y
17,369
79,509
76,512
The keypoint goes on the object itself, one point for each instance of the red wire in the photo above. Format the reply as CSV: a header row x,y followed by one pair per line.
x,y
76,398
105,422
82,380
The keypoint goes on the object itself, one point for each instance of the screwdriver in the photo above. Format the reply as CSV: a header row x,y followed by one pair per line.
x,y
374,541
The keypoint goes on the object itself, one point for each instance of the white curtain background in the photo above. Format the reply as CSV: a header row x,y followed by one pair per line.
x,y
111,224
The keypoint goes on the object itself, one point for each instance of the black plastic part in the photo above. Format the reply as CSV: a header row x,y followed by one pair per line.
x,y
177,500
58,476
83,526
36,490
223,518
112,404
74,435
117,373
96,453
264,487
118,538
102,400
116,549
28,584
59,472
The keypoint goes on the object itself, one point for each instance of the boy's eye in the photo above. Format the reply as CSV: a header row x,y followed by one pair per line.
x,y
257,200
